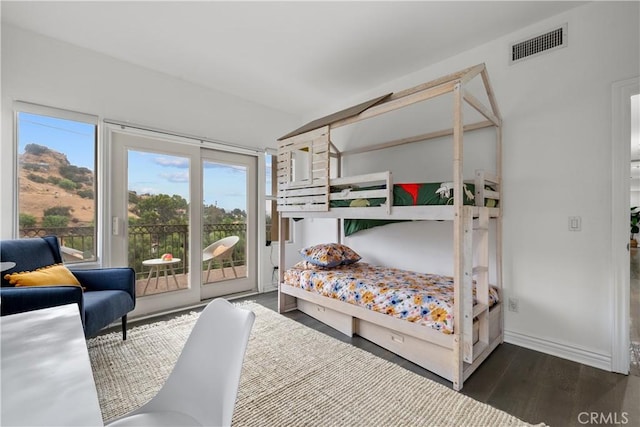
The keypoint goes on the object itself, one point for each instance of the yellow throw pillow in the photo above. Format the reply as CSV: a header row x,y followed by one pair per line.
x,y
53,275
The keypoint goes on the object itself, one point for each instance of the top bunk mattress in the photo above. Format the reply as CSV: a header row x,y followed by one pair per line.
x,y
422,298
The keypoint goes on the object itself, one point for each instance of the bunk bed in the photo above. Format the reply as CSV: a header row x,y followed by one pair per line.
x,y
305,189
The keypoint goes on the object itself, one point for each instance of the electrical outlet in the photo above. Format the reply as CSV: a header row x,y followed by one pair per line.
x,y
575,223
513,304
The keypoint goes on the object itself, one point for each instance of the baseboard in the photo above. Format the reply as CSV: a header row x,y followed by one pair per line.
x,y
563,350
270,287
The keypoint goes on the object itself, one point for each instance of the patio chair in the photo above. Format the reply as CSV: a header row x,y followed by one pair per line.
x,y
221,250
203,386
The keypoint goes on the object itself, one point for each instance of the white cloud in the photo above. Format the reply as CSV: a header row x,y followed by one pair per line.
x,y
177,162
176,177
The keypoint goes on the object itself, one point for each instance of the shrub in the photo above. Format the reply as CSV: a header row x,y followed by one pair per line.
x,y
31,167
85,194
55,221
67,184
36,178
76,174
36,149
58,211
27,220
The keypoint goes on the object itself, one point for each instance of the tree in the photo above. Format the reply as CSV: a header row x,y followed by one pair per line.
x,y
238,213
133,197
162,209
212,214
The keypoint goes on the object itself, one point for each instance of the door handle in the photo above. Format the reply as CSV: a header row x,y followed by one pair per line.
x,y
115,226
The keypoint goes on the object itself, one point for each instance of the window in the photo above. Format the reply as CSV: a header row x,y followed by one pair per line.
x,y
57,178
271,187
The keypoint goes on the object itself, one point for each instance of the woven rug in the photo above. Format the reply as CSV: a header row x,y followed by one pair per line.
x,y
292,376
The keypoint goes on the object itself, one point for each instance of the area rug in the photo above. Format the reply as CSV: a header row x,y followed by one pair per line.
x,y
292,376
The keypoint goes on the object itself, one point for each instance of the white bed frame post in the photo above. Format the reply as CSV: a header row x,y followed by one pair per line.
x,y
340,221
499,223
458,241
282,298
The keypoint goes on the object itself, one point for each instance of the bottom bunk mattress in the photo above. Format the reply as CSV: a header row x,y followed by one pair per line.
x,y
426,299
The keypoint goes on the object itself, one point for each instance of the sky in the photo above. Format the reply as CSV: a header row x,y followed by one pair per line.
x,y
148,173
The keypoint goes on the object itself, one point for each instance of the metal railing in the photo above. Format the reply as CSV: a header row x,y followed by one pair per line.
x,y
145,242
80,240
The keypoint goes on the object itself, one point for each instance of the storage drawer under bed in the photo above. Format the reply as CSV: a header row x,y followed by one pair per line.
x,y
423,353
339,321
350,325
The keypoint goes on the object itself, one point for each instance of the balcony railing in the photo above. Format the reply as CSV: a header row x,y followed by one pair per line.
x,y
145,242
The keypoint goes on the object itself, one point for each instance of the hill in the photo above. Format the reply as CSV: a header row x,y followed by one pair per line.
x,y
51,186
48,180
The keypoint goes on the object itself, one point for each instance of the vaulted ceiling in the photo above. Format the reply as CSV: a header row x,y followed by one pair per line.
x,y
292,56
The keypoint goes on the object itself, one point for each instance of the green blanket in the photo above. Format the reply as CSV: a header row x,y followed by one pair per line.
x,y
403,195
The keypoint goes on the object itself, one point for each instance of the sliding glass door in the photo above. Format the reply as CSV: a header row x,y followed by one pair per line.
x,y
228,223
183,217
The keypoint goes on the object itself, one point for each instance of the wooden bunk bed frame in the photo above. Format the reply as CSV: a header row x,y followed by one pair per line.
x,y
478,330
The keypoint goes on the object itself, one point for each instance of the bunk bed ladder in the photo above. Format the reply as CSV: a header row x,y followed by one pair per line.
x,y
480,272
466,296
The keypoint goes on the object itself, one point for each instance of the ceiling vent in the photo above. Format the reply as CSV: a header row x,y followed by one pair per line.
x,y
543,43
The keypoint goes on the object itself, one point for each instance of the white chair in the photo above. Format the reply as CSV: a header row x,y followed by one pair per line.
x,y
203,386
221,250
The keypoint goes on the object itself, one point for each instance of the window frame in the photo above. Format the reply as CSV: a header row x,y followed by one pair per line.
x,y
64,114
273,198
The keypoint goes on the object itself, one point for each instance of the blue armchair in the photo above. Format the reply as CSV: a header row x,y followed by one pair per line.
x,y
109,292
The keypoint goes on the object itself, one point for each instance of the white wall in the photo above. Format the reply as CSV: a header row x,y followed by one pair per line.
x,y
45,71
557,163
557,157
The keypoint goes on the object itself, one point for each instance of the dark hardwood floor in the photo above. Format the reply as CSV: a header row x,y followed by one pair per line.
x,y
532,386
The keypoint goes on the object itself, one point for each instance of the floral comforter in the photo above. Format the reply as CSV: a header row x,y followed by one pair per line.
x,y
426,299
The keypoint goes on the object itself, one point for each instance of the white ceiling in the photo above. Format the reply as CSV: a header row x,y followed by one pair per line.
x,y
292,56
